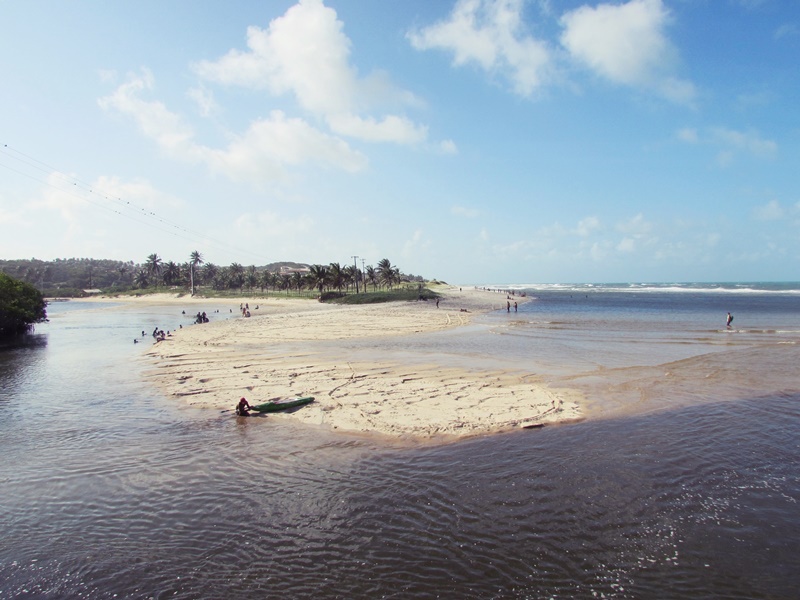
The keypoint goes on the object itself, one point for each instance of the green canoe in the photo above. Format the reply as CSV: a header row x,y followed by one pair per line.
x,y
282,404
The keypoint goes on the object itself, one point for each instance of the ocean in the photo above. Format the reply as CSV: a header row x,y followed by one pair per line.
x,y
683,480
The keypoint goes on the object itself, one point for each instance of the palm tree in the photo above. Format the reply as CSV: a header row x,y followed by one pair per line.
x,y
385,272
350,273
236,272
251,278
153,266
372,277
142,279
298,280
222,279
209,272
172,273
195,258
286,282
265,280
336,276
122,269
318,274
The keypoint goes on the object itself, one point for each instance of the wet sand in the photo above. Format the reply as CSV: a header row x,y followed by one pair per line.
x,y
286,349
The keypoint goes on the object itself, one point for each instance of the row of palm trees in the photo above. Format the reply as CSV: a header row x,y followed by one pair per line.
x,y
156,272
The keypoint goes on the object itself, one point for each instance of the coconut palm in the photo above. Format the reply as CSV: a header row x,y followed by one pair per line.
x,y
222,279
335,276
372,277
350,274
236,272
153,266
298,281
209,272
251,278
195,258
318,274
265,280
286,282
385,272
171,273
142,279
122,269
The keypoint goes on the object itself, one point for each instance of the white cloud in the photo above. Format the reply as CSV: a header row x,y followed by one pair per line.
x,y
787,30
448,147
627,245
625,43
490,34
730,142
772,211
271,144
61,198
391,129
635,226
587,226
749,141
260,155
688,135
415,244
204,100
462,211
153,118
282,60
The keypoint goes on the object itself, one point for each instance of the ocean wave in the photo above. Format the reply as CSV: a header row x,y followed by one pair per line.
x,y
790,288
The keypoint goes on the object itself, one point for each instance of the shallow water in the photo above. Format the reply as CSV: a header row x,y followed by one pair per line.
x,y
110,490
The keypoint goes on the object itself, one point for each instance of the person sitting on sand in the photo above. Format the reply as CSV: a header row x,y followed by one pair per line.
x,y
243,408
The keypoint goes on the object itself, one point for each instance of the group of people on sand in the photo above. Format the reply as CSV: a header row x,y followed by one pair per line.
x,y
245,308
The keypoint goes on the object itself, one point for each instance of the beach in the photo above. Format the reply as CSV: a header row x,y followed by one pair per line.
x,y
287,348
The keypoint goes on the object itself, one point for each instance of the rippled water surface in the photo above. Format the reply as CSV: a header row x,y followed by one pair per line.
x,y
110,490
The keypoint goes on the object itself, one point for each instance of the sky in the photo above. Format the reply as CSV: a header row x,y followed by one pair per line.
x,y
472,141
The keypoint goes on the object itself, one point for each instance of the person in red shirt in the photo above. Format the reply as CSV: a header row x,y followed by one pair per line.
x,y
243,408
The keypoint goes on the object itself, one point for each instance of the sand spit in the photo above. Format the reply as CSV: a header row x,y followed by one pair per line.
x,y
285,350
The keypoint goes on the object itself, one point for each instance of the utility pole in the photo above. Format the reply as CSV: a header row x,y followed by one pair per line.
x,y
355,265
362,275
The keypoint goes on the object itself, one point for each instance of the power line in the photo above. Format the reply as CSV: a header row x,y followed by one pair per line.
x,y
98,197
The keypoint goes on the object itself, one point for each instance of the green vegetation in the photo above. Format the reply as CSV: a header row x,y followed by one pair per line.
x,y
21,306
80,277
410,293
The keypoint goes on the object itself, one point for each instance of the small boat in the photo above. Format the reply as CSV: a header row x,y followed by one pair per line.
x,y
282,404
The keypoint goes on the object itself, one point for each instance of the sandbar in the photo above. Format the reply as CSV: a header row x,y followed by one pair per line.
x,y
287,348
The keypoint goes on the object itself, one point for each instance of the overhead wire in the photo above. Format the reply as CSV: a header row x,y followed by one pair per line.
x,y
124,208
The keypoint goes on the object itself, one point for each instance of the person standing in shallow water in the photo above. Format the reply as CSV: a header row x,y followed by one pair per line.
x,y
729,320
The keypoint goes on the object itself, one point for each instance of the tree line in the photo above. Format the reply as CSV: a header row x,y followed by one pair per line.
x,y
72,277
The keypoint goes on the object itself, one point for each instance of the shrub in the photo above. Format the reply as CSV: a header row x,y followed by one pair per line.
x,y
21,306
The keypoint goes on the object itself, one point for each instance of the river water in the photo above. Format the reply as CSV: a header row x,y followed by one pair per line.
x,y
683,482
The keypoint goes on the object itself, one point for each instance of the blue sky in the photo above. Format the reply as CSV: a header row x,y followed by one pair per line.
x,y
476,141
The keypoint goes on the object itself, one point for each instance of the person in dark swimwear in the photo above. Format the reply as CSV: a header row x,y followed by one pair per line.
x,y
243,408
